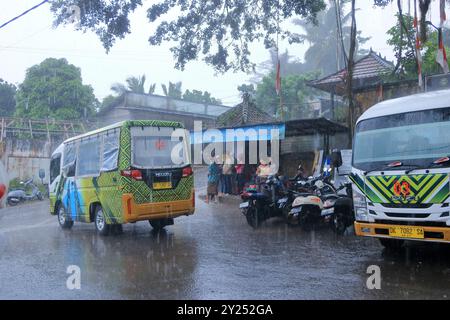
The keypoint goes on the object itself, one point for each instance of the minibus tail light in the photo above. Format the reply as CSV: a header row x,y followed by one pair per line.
x,y
187,171
135,174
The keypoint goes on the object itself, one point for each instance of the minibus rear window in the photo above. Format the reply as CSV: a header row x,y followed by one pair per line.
x,y
158,147
158,151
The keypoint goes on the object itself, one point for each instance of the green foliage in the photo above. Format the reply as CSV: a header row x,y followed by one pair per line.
x,y
200,97
107,101
294,91
408,63
218,30
404,49
7,101
430,66
247,89
54,89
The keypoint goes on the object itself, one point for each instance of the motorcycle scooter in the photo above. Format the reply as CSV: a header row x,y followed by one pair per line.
x,y
307,207
17,196
260,206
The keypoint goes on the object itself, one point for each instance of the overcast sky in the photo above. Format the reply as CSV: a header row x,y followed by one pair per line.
x,y
31,39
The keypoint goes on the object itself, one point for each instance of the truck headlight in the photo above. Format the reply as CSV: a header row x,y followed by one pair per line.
x,y
360,204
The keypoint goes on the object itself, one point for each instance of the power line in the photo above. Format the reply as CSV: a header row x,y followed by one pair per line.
x,y
23,39
23,13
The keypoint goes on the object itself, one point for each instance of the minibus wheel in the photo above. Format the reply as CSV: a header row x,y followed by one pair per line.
x,y
63,218
100,222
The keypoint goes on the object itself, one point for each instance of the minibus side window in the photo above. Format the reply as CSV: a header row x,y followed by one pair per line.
x,y
55,167
88,160
69,159
110,151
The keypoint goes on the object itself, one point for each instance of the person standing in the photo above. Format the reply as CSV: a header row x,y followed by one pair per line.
x,y
227,172
213,181
240,177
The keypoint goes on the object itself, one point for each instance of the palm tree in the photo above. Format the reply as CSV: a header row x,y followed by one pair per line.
x,y
118,88
133,84
325,51
136,84
173,90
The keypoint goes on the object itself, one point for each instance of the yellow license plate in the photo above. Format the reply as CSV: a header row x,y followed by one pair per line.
x,y
407,232
162,185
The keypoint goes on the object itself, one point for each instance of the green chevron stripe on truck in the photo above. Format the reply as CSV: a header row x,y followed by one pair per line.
x,y
398,189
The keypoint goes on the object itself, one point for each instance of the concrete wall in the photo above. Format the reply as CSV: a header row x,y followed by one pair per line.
x,y
134,106
22,158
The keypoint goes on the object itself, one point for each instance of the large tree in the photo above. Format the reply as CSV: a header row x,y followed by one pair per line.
x,y
219,31
7,101
295,94
54,89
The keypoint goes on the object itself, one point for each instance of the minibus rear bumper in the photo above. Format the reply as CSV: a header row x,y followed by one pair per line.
x,y
378,230
133,211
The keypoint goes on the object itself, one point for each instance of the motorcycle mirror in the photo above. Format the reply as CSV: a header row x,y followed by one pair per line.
x,y
41,174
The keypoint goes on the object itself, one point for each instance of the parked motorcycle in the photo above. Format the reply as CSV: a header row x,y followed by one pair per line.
x,y
258,206
315,204
342,210
17,196
337,208
307,206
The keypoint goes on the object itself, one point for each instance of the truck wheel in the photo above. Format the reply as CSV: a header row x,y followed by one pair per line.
x,y
100,222
391,244
64,220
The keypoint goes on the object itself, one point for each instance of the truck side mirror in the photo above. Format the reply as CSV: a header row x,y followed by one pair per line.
x,y
336,158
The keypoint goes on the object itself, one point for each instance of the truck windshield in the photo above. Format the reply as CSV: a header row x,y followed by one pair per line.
x,y
414,138
155,148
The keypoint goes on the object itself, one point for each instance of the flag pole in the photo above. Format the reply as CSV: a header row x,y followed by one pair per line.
x,y
278,75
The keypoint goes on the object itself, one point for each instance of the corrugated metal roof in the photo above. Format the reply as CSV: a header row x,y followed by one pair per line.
x,y
368,70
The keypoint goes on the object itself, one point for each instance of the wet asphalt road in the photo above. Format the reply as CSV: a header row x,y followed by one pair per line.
x,y
213,254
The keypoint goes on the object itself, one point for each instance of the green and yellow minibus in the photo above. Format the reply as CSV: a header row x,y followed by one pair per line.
x,y
130,171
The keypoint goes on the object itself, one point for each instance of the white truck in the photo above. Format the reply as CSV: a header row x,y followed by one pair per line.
x,y
400,170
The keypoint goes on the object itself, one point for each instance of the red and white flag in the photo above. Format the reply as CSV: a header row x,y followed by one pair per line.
x,y
278,79
418,46
441,56
442,11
